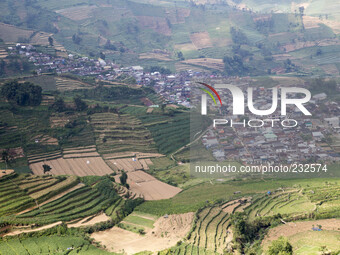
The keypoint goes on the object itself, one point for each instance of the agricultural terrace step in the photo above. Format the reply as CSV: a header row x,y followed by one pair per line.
x,y
44,159
34,156
133,154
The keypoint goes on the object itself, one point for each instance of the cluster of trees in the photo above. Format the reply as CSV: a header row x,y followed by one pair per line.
x,y
60,106
246,232
289,66
320,85
109,46
123,179
234,65
22,94
76,38
264,26
238,36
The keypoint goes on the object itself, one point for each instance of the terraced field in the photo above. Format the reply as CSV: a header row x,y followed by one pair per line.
x,y
19,192
211,231
77,204
169,134
79,166
65,84
120,133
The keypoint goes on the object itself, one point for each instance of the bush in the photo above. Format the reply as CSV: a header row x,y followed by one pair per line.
x,y
280,246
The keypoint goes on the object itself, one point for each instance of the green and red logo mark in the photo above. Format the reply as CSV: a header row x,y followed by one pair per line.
x,y
209,93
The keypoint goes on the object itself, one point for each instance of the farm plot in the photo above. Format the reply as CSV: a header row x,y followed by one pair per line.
x,y
178,15
201,40
314,22
78,204
183,67
10,33
211,232
77,12
153,55
169,134
41,38
120,133
79,185
74,166
65,84
13,199
6,172
45,140
80,152
3,53
167,231
210,63
35,158
52,244
290,202
296,230
158,24
20,192
127,164
149,187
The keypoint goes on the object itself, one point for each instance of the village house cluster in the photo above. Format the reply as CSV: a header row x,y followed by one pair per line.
x,y
309,141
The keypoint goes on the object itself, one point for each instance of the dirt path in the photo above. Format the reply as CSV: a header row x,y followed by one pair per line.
x,y
20,231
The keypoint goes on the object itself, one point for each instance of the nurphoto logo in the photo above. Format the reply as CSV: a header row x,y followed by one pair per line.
x,y
238,104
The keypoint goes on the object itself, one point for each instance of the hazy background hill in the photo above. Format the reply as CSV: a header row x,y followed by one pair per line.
x,y
186,34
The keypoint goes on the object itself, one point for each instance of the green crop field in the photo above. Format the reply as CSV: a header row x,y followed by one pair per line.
x,y
52,244
77,204
200,194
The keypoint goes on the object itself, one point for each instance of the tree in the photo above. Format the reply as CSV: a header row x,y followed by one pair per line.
x,y
59,105
280,246
80,104
5,156
46,168
50,40
123,178
110,46
163,107
301,10
102,55
76,39
180,55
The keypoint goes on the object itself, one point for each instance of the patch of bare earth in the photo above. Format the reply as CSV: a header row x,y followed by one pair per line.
x,y
158,24
77,12
6,172
149,187
201,40
211,63
165,234
292,228
74,166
